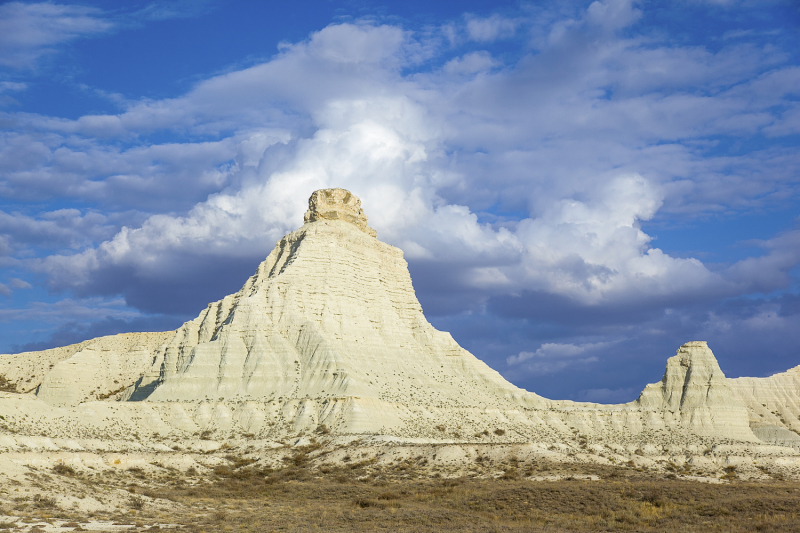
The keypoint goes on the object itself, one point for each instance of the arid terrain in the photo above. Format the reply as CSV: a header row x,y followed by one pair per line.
x,y
508,495
319,397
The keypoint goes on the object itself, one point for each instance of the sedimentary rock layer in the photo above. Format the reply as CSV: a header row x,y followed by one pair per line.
x,y
328,335
773,405
97,368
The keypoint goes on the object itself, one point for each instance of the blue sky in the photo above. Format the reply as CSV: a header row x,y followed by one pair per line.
x,y
579,187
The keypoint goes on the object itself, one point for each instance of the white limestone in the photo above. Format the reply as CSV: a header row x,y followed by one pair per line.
x,y
696,394
328,335
96,368
773,404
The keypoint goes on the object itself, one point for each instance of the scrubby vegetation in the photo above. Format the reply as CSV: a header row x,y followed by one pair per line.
x,y
295,499
241,495
7,386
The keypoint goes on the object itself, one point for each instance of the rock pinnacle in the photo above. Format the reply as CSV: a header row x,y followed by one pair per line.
x,y
337,204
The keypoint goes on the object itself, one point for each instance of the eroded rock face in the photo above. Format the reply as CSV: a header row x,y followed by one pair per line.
x,y
772,402
92,369
337,204
330,313
329,332
102,368
696,394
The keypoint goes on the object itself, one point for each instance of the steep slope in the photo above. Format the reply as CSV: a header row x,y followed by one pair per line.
x,y
329,332
330,313
694,393
96,368
773,404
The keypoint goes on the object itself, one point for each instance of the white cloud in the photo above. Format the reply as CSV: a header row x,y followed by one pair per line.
x,y
176,9
29,31
15,283
471,63
60,229
548,350
69,310
770,271
588,137
554,357
12,86
19,283
612,14
490,28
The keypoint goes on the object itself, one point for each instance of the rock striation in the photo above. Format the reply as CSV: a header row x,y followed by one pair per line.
x,y
330,315
695,394
773,405
92,369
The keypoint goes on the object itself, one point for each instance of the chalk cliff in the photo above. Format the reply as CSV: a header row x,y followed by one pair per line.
x,y
694,393
773,405
92,369
330,313
328,333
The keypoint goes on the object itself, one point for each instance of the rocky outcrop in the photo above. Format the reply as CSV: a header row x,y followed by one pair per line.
x,y
331,313
101,369
337,204
695,394
328,334
96,368
24,371
773,405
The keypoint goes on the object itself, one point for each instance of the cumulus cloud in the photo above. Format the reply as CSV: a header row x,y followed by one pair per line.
x,y
471,63
362,125
59,229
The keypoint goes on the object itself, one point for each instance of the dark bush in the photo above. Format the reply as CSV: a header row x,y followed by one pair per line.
x,y
64,470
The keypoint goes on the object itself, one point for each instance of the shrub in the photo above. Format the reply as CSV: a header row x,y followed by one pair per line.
x,y
136,471
7,386
136,503
366,502
653,496
64,470
43,502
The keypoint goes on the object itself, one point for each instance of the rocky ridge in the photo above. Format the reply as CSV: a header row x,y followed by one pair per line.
x,y
327,339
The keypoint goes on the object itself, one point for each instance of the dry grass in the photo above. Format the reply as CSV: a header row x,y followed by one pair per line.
x,y
243,496
355,498
7,386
